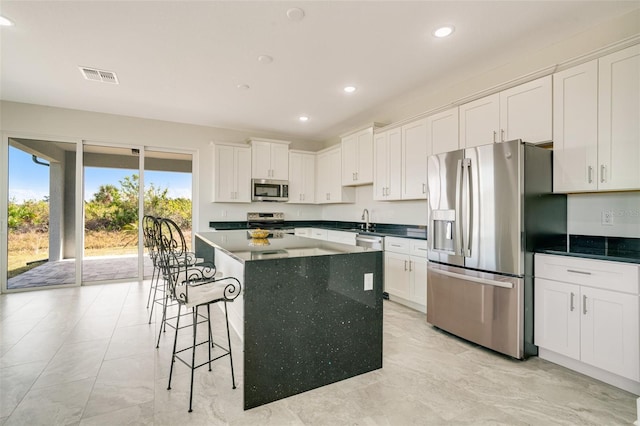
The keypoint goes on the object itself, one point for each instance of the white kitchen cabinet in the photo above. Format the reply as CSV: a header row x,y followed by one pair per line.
x,y
522,112
231,174
357,158
415,151
343,237
405,273
575,128
387,154
619,120
442,131
269,159
302,177
597,125
588,310
302,232
329,187
319,234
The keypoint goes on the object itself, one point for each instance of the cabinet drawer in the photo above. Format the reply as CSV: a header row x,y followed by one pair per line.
x,y
419,248
320,234
397,245
342,237
302,232
614,276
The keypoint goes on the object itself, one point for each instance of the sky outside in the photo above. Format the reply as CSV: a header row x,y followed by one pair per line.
x,y
30,181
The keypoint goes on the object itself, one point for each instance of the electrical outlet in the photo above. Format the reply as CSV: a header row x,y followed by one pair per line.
x,y
607,217
368,281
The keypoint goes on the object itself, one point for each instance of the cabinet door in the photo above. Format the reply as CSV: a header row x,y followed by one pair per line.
x,y
261,160
525,112
349,160
322,172
414,160
380,166
364,157
296,178
394,168
442,131
619,120
480,122
279,161
224,173
308,178
610,331
557,317
243,175
418,268
333,179
396,275
575,128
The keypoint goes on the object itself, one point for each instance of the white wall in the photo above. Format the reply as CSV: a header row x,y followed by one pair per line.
x,y
396,212
584,214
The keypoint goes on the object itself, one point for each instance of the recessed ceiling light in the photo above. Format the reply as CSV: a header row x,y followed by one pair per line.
x,y
5,22
349,89
295,14
303,118
444,31
243,86
265,59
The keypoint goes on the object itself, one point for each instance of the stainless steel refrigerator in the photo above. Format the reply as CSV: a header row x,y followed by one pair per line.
x,y
489,209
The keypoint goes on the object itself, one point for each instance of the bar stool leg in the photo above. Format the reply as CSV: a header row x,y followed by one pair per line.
x,y
175,342
163,324
154,277
193,354
210,341
226,317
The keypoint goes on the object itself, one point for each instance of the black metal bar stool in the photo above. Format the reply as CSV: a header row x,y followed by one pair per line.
x,y
194,286
150,233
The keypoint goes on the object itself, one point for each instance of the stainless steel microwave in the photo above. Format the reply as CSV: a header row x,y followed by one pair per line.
x,y
269,190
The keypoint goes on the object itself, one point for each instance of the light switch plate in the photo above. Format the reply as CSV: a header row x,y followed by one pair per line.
x,y
368,281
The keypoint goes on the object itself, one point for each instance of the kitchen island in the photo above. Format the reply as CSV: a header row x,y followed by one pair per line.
x,y
310,311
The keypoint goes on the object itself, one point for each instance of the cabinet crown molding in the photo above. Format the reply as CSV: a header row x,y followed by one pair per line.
x,y
251,140
374,126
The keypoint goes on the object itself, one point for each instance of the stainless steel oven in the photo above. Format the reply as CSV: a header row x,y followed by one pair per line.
x,y
269,190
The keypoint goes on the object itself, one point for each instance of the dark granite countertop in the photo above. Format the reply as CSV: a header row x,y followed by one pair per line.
x,y
237,244
382,229
617,249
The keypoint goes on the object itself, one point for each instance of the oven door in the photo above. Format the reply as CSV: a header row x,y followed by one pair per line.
x,y
484,308
269,190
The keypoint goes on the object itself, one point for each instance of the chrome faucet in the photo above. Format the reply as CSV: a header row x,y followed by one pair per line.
x,y
367,225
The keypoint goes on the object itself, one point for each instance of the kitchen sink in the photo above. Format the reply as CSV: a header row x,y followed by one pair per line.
x,y
370,241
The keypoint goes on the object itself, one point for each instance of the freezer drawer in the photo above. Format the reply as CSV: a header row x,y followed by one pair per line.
x,y
484,308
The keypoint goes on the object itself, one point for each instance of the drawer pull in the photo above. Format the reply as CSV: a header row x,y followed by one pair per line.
x,y
579,272
584,304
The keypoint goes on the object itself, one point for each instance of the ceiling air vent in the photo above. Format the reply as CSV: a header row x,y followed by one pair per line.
x,y
99,75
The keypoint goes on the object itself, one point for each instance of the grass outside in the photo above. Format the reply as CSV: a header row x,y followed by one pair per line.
x,y
25,247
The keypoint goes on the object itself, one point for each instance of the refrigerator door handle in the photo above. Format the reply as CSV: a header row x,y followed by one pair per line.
x,y
466,177
457,248
477,280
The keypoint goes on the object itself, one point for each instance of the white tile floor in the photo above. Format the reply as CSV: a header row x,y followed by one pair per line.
x,y
87,356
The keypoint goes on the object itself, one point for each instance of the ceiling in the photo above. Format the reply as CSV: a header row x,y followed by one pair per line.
x,y
183,61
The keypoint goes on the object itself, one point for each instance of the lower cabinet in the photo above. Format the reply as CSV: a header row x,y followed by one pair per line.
x,y
405,271
589,311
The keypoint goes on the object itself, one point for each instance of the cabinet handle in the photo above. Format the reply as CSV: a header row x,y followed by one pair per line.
x,y
494,136
353,175
410,262
603,170
300,197
405,265
590,174
356,175
572,307
584,304
579,272
502,135
424,188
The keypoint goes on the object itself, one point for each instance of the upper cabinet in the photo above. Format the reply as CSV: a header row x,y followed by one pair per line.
x,y
329,187
302,177
357,158
414,153
231,174
269,159
597,124
522,112
387,179
442,131
400,162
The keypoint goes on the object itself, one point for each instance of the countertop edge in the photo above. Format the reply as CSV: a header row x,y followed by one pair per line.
x,y
590,256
